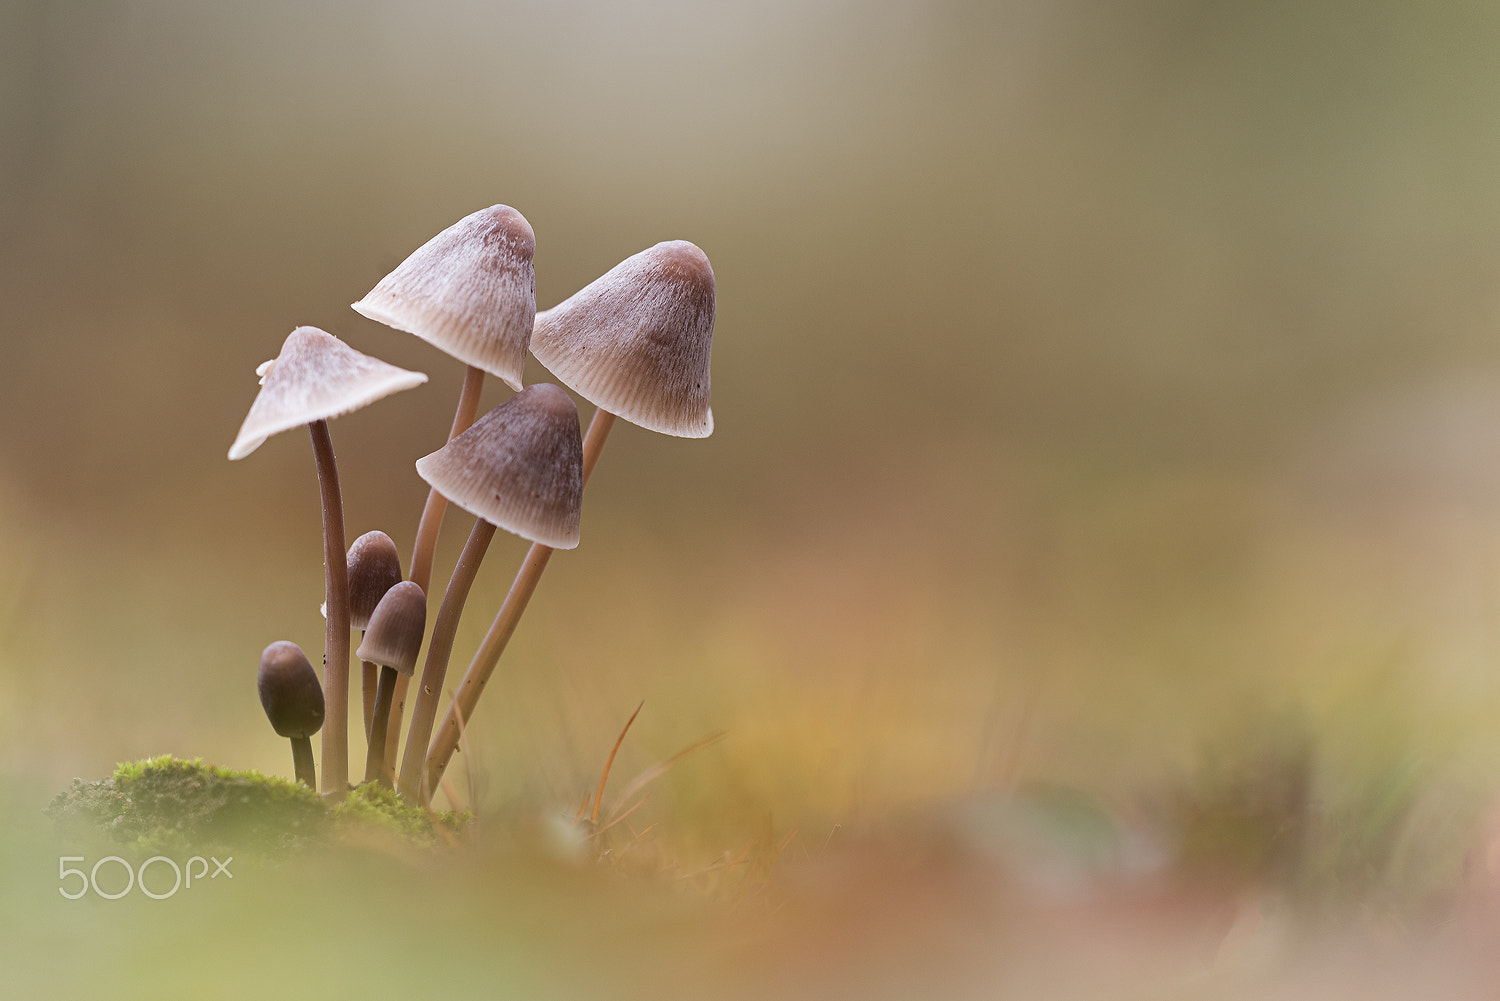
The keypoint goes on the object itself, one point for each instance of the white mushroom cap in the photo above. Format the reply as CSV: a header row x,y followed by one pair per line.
x,y
395,632
316,376
636,341
519,467
470,291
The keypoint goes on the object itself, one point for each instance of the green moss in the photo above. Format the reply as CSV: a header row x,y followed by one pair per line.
x,y
371,807
170,806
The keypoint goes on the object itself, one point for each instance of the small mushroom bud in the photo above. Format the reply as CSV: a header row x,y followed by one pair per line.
x,y
293,700
374,568
392,640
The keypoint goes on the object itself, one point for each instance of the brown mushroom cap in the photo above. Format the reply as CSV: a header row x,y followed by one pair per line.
x,y
289,690
315,377
636,341
374,568
519,467
395,632
470,291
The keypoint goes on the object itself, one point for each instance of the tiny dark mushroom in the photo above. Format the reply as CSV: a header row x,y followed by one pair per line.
x,y
374,568
293,700
392,640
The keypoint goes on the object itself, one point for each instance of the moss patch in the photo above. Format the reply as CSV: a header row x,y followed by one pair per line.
x,y
370,808
169,805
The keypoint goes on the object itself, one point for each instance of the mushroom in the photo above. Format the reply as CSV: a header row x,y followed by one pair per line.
x,y
316,376
470,291
636,343
520,467
392,640
374,568
293,701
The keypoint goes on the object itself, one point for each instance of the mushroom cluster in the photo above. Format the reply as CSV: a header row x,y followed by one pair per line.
x,y
635,343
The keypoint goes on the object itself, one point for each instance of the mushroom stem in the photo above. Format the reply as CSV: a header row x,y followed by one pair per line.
x,y
336,642
432,514
593,440
483,664
302,762
375,766
393,727
493,645
370,675
426,545
438,651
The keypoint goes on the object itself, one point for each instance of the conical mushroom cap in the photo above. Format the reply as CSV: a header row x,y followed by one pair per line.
x,y
519,467
289,690
636,340
395,632
470,291
374,568
315,377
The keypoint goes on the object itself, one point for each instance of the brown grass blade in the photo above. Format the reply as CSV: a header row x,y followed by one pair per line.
x,y
656,771
638,804
463,748
609,763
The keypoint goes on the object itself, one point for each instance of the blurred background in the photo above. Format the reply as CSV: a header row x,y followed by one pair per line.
x,y
1105,393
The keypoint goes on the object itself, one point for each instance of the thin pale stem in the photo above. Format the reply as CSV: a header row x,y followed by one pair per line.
x,y
500,631
336,641
438,652
485,659
426,546
302,762
393,727
593,441
432,513
375,767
